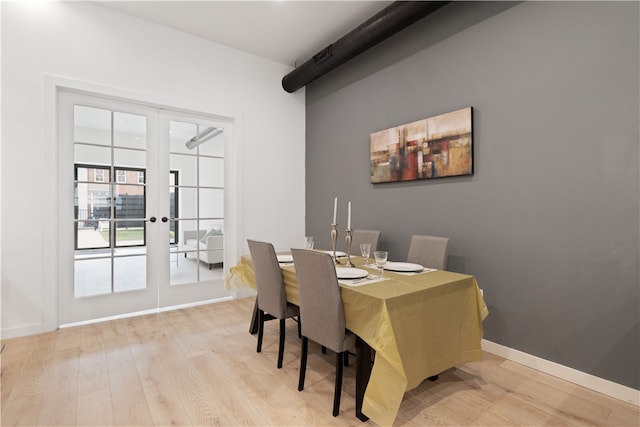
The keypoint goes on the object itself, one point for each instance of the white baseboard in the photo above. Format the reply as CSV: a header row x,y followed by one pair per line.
x,y
600,385
144,312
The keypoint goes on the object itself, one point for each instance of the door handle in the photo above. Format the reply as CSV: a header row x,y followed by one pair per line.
x,y
165,219
152,219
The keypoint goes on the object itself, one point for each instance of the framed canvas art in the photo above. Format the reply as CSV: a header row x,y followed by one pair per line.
x,y
435,147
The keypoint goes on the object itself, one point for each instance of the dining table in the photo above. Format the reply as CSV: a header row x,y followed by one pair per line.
x,y
418,323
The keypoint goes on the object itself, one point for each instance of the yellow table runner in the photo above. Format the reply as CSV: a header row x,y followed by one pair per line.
x,y
419,325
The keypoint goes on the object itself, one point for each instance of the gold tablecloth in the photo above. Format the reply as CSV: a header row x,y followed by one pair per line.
x,y
419,325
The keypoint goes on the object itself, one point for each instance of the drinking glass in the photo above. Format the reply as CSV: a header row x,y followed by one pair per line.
x,y
308,242
365,251
381,260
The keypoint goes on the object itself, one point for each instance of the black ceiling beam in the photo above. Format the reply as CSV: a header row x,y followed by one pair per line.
x,y
384,24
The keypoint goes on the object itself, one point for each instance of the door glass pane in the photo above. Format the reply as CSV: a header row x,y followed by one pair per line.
x,y
129,130
211,172
130,273
188,234
186,165
92,155
130,201
210,269
130,233
216,226
183,268
91,125
183,253
211,203
173,232
93,238
187,203
213,143
92,206
182,137
92,277
130,158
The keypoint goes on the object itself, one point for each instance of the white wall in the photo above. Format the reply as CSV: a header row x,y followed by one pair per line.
x,y
83,42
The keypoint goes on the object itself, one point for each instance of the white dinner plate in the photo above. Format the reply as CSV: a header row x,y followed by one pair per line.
x,y
338,253
403,266
351,273
285,258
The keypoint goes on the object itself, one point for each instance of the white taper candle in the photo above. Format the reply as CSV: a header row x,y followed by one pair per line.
x,y
335,209
349,215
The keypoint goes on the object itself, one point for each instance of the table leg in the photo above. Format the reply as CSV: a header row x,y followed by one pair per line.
x,y
363,372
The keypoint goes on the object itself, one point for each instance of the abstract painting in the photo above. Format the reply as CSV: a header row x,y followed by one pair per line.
x,y
435,147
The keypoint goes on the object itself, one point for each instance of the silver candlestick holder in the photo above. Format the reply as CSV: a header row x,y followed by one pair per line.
x,y
334,239
347,239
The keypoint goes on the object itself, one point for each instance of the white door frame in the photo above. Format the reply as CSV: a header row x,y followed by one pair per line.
x,y
233,204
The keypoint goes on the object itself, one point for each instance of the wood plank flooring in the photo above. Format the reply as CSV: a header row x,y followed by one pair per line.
x,y
198,366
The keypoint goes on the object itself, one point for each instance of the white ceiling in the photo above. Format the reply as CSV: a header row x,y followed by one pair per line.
x,y
289,32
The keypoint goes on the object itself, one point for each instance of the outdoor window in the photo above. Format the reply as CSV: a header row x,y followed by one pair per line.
x,y
108,214
95,203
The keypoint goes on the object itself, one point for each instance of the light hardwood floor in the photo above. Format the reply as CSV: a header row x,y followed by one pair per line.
x,y
198,366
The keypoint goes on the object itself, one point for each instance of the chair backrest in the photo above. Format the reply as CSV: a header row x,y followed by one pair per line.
x,y
429,251
269,283
321,309
364,236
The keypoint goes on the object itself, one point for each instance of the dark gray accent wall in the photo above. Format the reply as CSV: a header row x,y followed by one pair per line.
x,y
549,223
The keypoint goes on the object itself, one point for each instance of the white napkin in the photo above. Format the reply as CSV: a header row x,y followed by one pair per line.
x,y
360,282
413,273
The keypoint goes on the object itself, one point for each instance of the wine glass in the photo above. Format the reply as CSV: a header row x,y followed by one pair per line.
x,y
308,242
381,260
365,251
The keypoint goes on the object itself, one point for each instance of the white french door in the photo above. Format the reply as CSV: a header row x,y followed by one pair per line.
x,y
139,189
193,150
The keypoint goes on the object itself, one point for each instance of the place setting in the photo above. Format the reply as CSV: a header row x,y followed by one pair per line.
x,y
407,268
382,263
353,276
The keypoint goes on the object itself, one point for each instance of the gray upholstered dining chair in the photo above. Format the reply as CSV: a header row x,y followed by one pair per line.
x,y
365,236
322,312
272,298
429,251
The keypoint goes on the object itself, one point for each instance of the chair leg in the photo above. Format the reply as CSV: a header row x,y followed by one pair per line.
x,y
299,328
303,363
346,358
281,344
324,350
260,329
338,386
